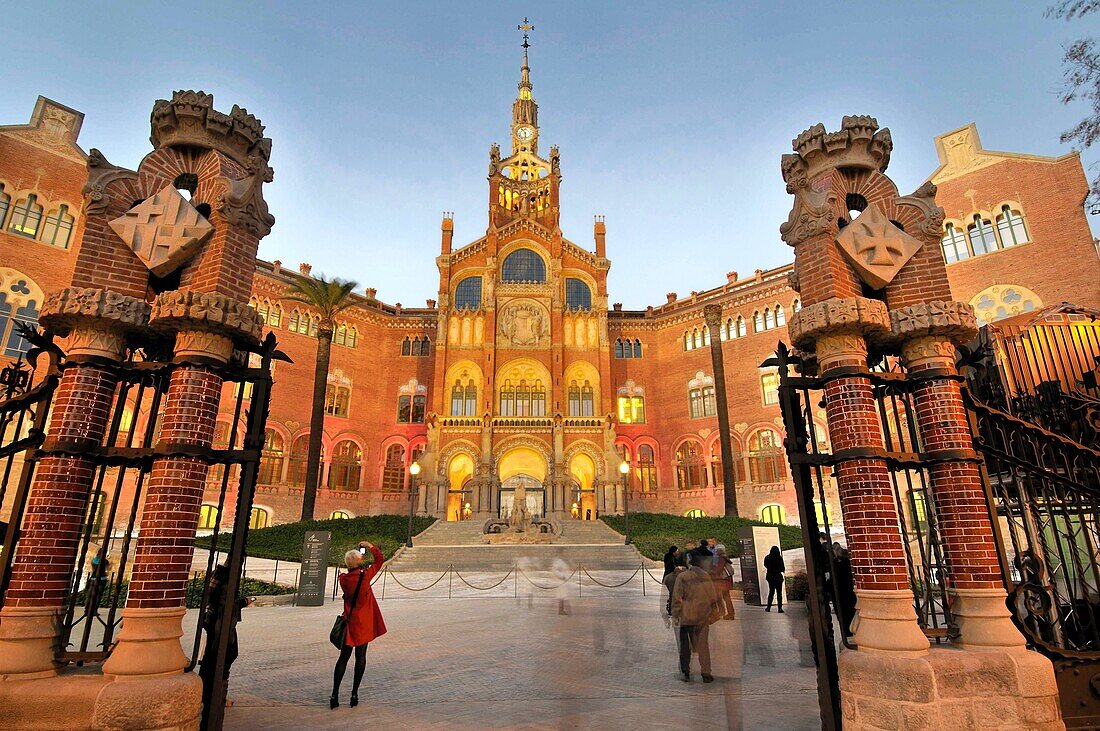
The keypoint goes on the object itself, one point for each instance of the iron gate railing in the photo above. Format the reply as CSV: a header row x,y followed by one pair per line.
x,y
91,613
1044,496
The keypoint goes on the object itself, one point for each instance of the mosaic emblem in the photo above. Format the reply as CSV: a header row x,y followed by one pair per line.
x,y
164,231
876,247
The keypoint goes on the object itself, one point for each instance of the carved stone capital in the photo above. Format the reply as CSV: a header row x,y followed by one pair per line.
x,y
185,310
857,315
954,321
840,349
713,315
202,344
242,204
97,320
924,200
930,351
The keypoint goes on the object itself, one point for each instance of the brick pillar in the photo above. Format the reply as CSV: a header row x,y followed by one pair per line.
x,y
958,496
886,619
96,322
149,640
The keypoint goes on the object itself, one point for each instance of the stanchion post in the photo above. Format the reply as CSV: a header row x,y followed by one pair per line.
x,y
450,579
642,570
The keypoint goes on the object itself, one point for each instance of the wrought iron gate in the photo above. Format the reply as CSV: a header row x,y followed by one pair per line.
x,y
99,577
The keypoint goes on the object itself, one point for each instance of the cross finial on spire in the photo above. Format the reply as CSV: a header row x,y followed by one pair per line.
x,y
526,27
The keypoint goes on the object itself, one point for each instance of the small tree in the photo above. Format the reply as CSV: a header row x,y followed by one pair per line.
x,y
328,298
1082,81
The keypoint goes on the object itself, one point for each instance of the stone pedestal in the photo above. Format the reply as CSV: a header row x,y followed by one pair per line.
x,y
948,688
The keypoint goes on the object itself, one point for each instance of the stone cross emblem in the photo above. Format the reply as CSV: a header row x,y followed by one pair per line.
x,y
876,247
164,231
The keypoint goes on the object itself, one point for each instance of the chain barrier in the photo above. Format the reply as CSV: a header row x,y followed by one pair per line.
x,y
409,588
548,588
597,582
479,588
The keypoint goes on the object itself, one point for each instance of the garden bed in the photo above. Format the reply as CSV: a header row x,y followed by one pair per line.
x,y
653,533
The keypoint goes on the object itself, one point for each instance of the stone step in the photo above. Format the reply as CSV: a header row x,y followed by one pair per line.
x,y
595,557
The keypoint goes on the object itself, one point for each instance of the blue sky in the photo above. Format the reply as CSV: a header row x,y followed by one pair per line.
x,y
671,117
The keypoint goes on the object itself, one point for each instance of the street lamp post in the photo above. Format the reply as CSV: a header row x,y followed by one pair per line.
x,y
414,472
624,470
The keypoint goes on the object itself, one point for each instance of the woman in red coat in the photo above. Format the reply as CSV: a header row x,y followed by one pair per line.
x,y
364,619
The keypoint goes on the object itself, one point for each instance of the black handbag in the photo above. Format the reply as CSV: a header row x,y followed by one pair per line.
x,y
338,635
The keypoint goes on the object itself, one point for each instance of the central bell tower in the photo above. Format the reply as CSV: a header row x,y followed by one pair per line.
x,y
524,185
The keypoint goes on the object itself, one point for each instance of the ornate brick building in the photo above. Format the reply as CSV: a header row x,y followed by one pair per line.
x,y
520,372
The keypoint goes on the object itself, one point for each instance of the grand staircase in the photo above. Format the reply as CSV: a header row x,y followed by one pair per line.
x,y
461,544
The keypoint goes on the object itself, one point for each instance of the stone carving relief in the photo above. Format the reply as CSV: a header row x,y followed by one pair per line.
x,y
876,248
411,388
184,309
466,329
811,215
922,350
631,389
243,202
952,320
72,306
525,324
337,377
855,315
581,330
165,231
53,128
924,200
101,173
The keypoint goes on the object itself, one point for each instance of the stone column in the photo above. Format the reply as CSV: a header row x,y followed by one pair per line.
x,y
713,315
149,640
96,322
837,329
958,495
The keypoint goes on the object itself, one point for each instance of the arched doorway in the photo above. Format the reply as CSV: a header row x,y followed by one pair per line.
x,y
459,472
522,466
583,470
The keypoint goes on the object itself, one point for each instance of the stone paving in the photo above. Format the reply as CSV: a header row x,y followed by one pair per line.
x,y
516,663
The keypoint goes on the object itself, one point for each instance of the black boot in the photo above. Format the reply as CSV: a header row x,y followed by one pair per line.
x,y
333,702
354,700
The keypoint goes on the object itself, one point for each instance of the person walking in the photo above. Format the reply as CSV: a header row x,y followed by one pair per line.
x,y
364,618
670,561
773,574
212,625
694,607
721,574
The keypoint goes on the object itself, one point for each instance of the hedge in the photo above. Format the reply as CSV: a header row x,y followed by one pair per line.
x,y
193,597
284,542
653,533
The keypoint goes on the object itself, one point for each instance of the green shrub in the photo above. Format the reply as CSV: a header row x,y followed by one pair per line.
x,y
653,533
284,542
797,586
193,596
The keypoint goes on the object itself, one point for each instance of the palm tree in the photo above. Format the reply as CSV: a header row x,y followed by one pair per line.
x,y
328,298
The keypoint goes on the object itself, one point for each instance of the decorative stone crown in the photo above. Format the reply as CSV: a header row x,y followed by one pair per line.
x,y
183,310
74,307
859,144
190,119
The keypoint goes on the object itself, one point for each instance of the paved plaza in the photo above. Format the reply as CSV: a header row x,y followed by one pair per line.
x,y
516,663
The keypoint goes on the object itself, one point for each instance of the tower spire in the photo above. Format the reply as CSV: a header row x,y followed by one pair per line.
x,y
525,121
525,71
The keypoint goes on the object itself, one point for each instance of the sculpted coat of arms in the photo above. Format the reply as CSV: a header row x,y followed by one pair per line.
x,y
164,231
524,324
876,247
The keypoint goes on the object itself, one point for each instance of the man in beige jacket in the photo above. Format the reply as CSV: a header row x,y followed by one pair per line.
x,y
694,602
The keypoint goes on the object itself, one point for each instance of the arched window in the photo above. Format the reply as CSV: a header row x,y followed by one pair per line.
x,y
797,306
259,518
645,469
581,399
346,464
780,316
918,509
26,217
769,319
523,265
981,236
696,338
1003,300
271,460
523,398
5,203
769,385
299,460
717,476
19,298
577,294
701,402
337,399
765,457
637,348
695,513
410,408
340,334
739,328
706,335
774,514
1011,227
353,337
624,455
468,294
631,409
393,474
619,348
954,245
687,341
58,228
690,474
208,517
339,515
757,322
417,347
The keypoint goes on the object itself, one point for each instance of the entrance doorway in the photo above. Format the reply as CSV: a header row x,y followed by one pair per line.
x,y
535,495
583,469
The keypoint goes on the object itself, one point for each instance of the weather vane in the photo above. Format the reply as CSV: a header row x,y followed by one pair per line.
x,y
526,27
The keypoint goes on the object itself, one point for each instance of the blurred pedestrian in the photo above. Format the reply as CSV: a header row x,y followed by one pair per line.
x,y
212,615
694,608
721,574
362,615
774,569
670,561
845,587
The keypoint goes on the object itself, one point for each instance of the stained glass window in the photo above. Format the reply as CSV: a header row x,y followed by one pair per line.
x,y
523,265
